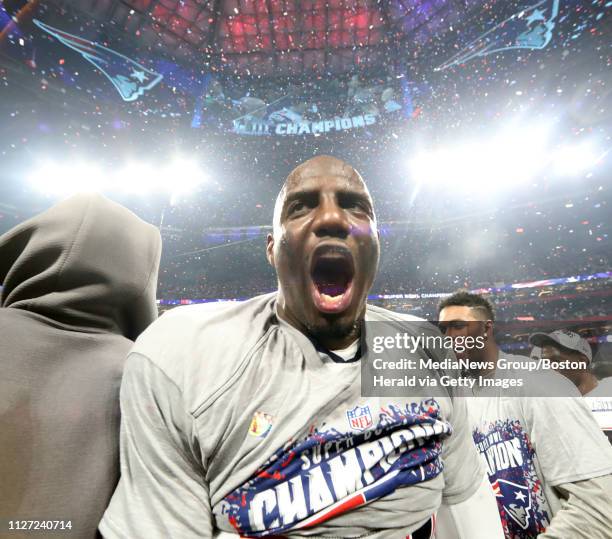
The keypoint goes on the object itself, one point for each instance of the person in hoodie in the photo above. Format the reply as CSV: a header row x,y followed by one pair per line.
x,y
78,286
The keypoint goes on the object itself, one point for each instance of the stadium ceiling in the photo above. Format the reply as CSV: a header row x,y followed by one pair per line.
x,y
275,38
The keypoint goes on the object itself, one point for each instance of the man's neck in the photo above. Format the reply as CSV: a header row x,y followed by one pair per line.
x,y
588,382
337,344
490,356
328,342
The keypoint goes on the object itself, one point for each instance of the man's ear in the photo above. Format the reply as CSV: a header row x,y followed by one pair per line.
x,y
488,328
270,249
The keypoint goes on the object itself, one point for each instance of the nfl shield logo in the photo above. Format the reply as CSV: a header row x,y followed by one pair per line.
x,y
359,418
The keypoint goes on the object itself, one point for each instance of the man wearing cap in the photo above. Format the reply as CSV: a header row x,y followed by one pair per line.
x,y
574,355
548,464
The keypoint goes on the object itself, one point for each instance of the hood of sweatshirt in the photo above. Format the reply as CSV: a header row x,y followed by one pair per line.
x,y
87,263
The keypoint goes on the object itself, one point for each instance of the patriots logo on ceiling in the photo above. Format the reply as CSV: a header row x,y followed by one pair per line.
x,y
130,78
530,28
515,500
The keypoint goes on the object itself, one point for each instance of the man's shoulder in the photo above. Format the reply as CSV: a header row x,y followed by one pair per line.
x,y
538,382
217,312
409,322
375,313
603,389
211,333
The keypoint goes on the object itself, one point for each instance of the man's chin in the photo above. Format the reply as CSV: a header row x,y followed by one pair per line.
x,y
334,328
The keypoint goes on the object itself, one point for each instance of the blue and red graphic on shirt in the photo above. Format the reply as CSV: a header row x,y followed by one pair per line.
x,y
508,456
330,472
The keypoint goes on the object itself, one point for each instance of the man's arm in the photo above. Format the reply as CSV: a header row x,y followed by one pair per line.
x,y
476,517
587,513
162,492
469,509
576,460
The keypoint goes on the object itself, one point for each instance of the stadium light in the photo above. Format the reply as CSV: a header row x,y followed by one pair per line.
x,y
63,179
138,178
510,157
176,179
572,160
185,176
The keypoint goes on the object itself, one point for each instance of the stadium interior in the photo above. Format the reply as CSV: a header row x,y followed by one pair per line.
x,y
482,128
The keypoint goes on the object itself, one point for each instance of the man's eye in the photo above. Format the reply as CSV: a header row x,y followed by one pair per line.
x,y
296,207
458,325
356,205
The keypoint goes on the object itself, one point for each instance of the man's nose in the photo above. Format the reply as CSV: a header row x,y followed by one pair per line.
x,y
331,220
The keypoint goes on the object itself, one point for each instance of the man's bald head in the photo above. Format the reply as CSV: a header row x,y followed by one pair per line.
x,y
320,165
324,249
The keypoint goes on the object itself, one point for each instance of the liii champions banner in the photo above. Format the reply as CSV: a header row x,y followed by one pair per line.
x,y
310,108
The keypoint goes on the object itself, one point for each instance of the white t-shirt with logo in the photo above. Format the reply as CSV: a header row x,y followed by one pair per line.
x,y
530,445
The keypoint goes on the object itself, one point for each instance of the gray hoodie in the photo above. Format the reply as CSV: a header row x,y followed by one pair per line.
x,y
79,283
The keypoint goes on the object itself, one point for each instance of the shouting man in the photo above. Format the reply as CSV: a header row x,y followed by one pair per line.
x,y
247,419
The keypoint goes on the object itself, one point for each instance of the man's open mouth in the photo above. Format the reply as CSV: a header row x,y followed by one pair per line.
x,y
332,272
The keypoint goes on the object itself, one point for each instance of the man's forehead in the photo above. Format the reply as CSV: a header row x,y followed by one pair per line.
x,y
459,312
324,173
326,181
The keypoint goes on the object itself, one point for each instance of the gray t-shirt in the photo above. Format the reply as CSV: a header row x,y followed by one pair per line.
x,y
531,445
232,421
600,402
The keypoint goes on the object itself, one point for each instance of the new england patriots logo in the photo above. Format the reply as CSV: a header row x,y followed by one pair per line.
x,y
530,29
129,77
515,500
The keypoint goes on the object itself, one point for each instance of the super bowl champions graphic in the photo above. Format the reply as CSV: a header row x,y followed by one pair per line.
x,y
509,462
332,470
313,107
